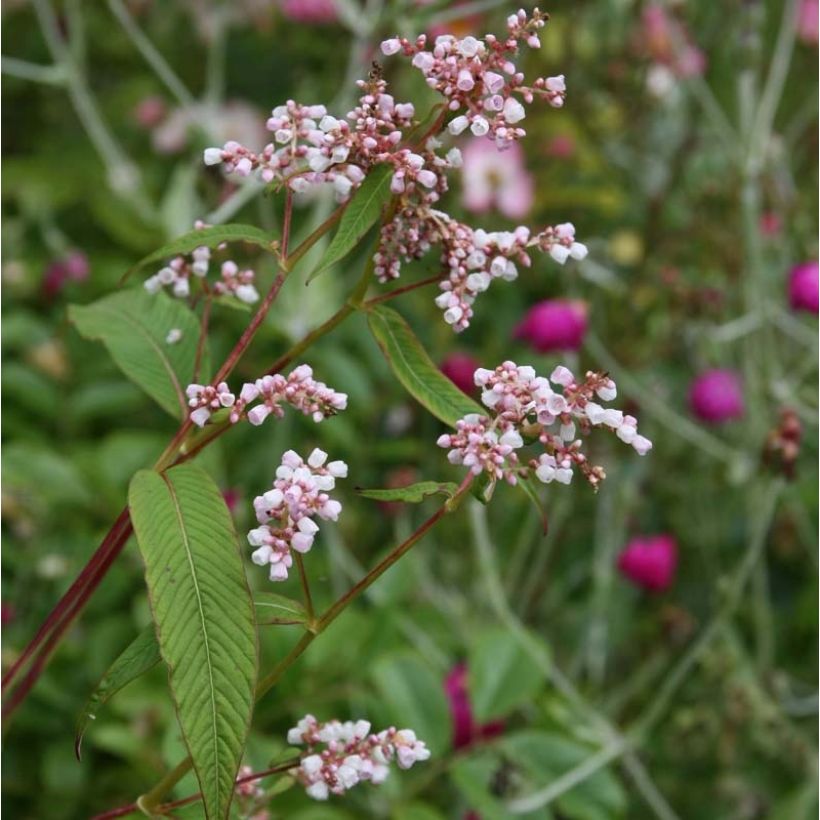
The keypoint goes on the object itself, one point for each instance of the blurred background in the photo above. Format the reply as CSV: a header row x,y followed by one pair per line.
x,y
663,635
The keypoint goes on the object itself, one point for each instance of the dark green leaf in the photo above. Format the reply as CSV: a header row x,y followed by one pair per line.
x,y
412,493
501,675
204,616
415,369
361,213
133,325
139,656
210,238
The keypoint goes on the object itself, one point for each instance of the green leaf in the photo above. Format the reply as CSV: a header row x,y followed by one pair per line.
x,y
138,657
360,214
204,617
277,609
415,369
501,675
412,493
133,325
415,697
209,238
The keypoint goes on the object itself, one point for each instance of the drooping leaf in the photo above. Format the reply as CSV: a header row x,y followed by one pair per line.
x,y
412,493
501,675
138,657
277,609
414,697
133,325
358,218
415,369
204,618
207,237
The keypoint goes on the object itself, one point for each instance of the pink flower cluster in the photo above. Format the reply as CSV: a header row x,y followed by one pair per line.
x,y
298,389
178,272
523,402
351,754
286,511
479,78
250,796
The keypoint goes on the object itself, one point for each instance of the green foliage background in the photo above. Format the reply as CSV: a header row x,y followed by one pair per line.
x,y
557,643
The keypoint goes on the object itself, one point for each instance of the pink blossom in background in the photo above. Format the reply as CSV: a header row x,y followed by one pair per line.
x,y
771,224
650,562
716,396
494,178
807,22
668,42
309,11
803,287
7,614
465,730
555,324
459,369
71,268
561,146
150,111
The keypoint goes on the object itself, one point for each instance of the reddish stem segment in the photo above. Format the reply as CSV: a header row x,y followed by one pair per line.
x,y
131,808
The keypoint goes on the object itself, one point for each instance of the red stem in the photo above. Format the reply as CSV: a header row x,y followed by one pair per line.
x,y
385,297
123,811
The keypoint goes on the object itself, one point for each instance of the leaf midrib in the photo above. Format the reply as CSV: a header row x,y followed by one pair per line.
x,y
178,512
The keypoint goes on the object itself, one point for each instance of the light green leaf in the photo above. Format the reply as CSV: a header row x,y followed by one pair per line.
x,y
277,609
415,369
501,675
133,325
209,238
360,214
412,493
415,698
138,657
204,618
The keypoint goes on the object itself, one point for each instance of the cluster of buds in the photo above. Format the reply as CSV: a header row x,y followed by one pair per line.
x,y
351,754
178,272
479,78
250,796
298,389
524,404
286,511
471,259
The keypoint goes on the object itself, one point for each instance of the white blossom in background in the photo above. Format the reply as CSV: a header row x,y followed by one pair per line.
x,y
298,389
550,410
484,92
286,512
351,754
174,336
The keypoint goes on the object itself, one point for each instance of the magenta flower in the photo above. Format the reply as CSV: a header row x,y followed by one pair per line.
x,y
807,22
803,287
650,562
71,268
310,11
459,369
465,730
717,396
555,324
496,179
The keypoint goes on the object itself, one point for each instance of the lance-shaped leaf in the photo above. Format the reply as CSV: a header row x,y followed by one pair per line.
x,y
359,216
412,493
133,325
415,369
204,618
138,657
277,609
209,238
